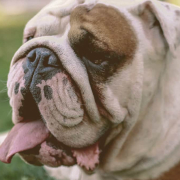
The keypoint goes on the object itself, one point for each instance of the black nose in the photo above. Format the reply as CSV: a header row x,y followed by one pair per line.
x,y
44,57
41,64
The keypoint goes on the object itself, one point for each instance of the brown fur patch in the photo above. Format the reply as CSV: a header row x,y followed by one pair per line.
x,y
172,174
103,29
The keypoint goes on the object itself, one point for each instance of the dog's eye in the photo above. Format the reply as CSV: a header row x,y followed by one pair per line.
x,y
98,61
29,38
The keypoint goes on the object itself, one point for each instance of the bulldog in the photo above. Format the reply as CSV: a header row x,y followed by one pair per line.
x,y
96,84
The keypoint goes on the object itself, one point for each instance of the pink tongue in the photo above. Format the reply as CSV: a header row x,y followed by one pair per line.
x,y
87,157
23,136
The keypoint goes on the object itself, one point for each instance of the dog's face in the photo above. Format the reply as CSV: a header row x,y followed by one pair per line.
x,y
77,82
68,79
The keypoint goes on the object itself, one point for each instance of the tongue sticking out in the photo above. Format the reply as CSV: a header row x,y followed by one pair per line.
x,y
23,136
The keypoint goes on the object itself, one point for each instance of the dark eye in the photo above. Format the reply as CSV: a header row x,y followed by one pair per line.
x,y
29,38
98,61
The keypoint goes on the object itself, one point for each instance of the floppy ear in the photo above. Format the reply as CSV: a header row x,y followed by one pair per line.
x,y
156,13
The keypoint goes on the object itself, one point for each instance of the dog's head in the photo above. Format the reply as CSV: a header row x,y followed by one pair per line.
x,y
82,79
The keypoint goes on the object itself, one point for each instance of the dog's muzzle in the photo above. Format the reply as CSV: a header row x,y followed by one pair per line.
x,y
52,104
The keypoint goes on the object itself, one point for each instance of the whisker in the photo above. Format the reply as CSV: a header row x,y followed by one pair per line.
x,y
3,81
3,90
4,100
10,112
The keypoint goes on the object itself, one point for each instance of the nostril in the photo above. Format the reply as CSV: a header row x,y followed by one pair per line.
x,y
45,60
53,61
44,57
32,56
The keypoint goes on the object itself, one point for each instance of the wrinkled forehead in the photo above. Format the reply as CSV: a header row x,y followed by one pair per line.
x,y
53,18
46,24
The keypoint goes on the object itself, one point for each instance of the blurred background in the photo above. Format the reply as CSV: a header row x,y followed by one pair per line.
x,y
13,16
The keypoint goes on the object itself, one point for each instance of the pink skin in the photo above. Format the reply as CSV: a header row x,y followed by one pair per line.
x,y
87,157
16,75
54,157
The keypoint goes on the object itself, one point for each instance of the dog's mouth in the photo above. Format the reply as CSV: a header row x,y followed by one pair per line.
x,y
36,145
33,141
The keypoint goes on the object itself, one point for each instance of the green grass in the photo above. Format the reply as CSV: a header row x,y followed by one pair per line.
x,y
11,30
19,170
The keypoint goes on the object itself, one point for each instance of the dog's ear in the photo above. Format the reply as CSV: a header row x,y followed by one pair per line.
x,y
155,13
